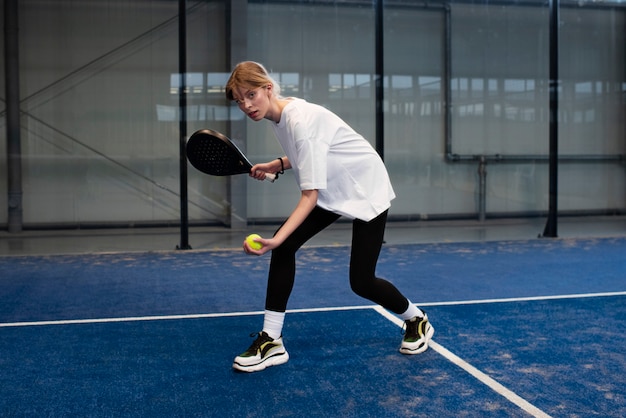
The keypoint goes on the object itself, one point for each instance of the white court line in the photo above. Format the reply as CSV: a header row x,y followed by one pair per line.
x,y
524,299
170,317
482,377
124,319
331,309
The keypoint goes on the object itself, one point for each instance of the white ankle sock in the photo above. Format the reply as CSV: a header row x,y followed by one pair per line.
x,y
411,312
273,323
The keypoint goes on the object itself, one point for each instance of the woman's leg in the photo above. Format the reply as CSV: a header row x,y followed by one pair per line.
x,y
283,262
367,240
268,349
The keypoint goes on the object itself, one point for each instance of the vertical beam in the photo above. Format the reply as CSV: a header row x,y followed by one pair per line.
x,y
551,224
446,83
482,189
380,74
182,70
12,87
237,50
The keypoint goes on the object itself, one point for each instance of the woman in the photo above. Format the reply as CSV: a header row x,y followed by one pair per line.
x,y
339,174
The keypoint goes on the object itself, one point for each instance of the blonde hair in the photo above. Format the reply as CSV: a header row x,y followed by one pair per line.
x,y
252,75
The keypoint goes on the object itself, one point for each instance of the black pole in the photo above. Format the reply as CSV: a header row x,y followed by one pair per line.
x,y
551,224
182,69
12,91
380,88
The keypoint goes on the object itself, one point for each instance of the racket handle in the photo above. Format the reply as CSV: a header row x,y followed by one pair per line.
x,y
271,177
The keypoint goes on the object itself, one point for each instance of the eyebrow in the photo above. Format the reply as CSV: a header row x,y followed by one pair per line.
x,y
245,93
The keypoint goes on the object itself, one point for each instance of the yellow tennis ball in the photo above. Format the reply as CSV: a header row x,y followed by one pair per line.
x,y
253,244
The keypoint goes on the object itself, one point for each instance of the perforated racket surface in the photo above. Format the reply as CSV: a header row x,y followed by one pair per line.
x,y
215,154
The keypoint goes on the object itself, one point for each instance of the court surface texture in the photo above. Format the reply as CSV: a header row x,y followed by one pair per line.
x,y
523,328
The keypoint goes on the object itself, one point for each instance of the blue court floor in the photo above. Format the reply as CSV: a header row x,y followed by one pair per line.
x,y
529,327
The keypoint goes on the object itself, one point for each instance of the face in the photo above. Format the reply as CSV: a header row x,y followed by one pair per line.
x,y
254,102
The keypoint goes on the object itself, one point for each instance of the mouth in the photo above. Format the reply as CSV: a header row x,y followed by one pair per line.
x,y
253,114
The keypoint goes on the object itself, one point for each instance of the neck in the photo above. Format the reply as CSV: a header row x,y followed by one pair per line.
x,y
277,110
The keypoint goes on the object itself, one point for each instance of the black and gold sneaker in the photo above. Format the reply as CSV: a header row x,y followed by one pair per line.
x,y
264,352
417,334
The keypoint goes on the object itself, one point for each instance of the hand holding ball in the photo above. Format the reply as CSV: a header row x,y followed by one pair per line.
x,y
250,239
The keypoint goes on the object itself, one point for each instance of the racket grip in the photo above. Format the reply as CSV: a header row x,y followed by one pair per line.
x,y
270,177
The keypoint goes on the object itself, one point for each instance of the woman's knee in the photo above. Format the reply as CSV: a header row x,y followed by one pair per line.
x,y
363,288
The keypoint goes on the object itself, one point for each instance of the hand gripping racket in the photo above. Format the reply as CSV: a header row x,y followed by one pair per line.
x,y
213,153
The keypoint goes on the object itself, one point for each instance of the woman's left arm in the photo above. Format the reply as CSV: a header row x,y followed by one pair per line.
x,y
307,202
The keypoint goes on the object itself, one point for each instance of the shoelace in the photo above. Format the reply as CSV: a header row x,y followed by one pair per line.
x,y
261,339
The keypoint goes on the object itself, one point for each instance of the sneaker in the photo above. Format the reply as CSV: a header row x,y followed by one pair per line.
x,y
416,335
264,352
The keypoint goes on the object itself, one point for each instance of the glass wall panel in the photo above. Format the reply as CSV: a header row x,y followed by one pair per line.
x,y
499,107
207,72
88,131
415,58
322,52
100,131
100,88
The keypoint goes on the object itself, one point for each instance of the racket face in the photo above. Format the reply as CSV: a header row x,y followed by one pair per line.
x,y
213,153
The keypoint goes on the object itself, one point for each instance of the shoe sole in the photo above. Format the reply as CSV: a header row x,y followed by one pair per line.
x,y
274,360
420,347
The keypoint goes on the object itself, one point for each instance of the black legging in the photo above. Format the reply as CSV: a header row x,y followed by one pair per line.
x,y
367,240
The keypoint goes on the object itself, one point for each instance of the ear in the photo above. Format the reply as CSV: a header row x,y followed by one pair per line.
x,y
270,88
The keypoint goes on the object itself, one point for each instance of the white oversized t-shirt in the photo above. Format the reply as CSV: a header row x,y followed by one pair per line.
x,y
328,155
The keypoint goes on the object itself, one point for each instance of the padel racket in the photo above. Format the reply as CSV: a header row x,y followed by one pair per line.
x,y
213,153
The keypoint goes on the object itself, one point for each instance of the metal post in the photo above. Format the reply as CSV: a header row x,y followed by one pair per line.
x,y
182,69
482,189
380,74
551,225
237,51
12,88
